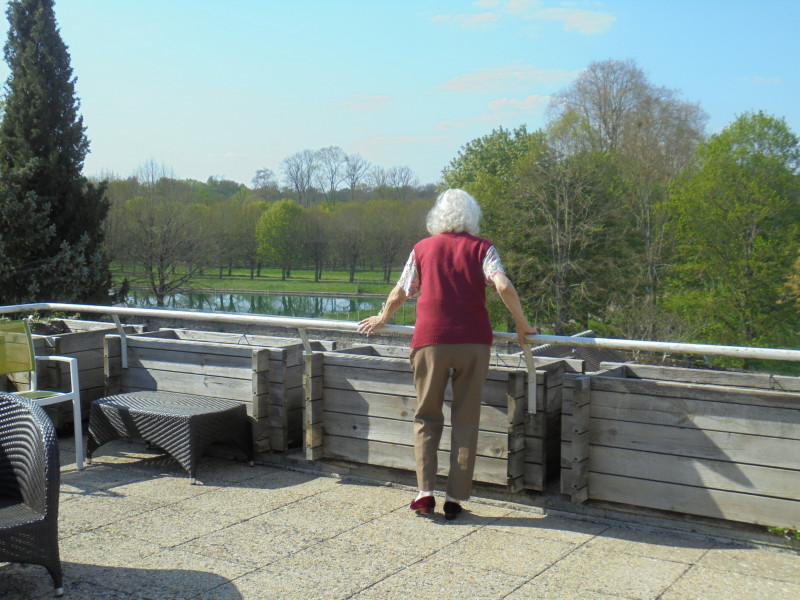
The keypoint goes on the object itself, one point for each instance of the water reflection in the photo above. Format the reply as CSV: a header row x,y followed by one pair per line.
x,y
327,307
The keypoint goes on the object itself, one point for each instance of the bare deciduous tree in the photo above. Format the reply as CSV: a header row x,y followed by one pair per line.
x,y
356,169
165,233
379,179
265,182
298,173
402,179
603,95
331,171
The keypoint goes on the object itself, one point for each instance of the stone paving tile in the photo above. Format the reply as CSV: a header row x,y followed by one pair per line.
x,y
586,571
24,582
93,511
168,526
702,583
270,584
161,490
653,544
96,479
443,580
511,553
255,543
241,503
338,569
297,482
549,591
319,516
105,548
375,499
573,531
405,532
762,563
178,574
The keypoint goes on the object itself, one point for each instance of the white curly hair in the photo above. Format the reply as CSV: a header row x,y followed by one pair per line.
x,y
454,211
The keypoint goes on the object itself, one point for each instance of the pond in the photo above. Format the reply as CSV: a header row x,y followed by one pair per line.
x,y
350,308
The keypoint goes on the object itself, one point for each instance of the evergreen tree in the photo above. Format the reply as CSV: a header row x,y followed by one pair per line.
x,y
50,215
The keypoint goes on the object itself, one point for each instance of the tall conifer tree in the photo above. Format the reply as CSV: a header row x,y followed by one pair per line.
x,y
50,214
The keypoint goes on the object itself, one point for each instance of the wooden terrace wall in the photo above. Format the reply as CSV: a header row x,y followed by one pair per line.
x,y
282,426
360,405
709,443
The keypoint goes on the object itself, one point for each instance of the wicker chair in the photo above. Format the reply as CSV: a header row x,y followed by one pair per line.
x,y
29,486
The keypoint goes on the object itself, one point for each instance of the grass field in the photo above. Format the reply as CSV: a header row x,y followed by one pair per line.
x,y
301,280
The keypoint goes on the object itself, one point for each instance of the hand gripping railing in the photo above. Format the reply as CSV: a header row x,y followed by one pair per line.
x,y
303,324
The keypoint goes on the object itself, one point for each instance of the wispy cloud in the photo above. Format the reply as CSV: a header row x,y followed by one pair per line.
x,y
759,80
587,22
475,21
367,102
500,110
571,17
533,103
505,78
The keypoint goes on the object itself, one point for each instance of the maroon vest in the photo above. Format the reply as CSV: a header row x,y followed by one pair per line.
x,y
451,308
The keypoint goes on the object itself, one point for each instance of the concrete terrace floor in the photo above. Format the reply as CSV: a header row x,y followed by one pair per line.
x,y
132,527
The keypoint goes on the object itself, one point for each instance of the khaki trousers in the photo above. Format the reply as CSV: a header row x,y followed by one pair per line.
x,y
433,366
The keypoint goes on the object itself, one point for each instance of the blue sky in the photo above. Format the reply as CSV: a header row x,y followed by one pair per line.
x,y
213,88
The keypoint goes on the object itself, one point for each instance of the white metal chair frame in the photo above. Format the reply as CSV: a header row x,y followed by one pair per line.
x,y
48,397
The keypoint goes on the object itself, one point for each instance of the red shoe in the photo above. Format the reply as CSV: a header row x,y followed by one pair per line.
x,y
424,505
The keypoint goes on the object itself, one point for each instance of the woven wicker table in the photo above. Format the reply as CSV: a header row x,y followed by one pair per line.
x,y
183,425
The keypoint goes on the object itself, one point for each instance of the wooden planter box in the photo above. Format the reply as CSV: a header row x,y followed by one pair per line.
x,y
280,422
360,405
709,443
82,340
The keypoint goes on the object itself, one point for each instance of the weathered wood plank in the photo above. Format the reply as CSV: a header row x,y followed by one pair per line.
x,y
187,346
200,364
218,387
749,508
711,393
487,470
763,381
402,432
714,445
698,414
401,407
734,477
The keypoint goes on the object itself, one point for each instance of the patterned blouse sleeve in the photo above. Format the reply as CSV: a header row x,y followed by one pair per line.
x,y
492,265
409,279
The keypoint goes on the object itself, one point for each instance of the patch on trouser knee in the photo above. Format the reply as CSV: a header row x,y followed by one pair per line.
x,y
463,458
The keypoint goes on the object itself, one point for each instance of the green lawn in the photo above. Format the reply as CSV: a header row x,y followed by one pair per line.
x,y
301,280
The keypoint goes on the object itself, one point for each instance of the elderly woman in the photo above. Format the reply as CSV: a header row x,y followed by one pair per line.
x,y
452,339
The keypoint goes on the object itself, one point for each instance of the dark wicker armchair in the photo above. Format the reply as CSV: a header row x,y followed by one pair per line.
x,y
29,486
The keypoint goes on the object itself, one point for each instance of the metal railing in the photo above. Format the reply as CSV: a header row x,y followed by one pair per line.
x,y
304,324
300,323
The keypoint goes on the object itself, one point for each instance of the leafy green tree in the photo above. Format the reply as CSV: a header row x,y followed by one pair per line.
x,y
561,202
735,221
651,135
317,234
51,216
386,226
279,235
350,239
